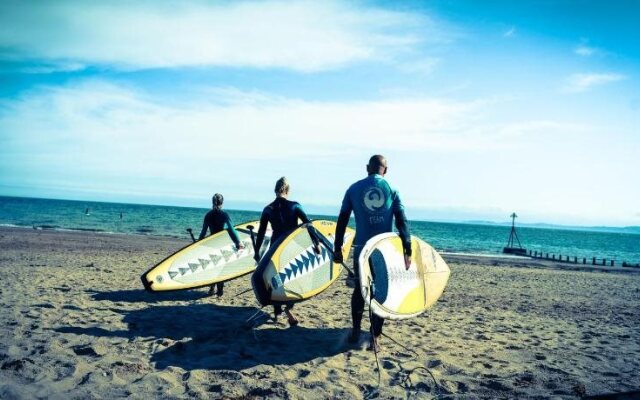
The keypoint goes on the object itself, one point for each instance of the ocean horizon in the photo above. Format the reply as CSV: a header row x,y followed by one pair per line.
x,y
467,237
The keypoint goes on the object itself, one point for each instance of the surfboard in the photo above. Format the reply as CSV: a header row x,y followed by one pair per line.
x,y
210,260
300,265
399,293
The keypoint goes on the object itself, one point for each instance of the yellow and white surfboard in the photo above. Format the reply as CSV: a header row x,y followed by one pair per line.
x,y
210,260
389,288
301,265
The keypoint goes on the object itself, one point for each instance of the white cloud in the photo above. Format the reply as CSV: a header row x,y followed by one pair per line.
x,y
535,127
42,68
423,67
111,130
585,51
99,117
583,82
104,138
510,32
101,120
303,36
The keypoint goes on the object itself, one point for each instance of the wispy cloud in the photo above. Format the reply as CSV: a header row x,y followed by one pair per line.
x,y
302,36
585,51
94,115
40,67
112,129
509,32
578,83
423,67
536,127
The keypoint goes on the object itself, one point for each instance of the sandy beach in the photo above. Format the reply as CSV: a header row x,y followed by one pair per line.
x,y
77,323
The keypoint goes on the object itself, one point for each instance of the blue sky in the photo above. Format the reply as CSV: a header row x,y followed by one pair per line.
x,y
482,108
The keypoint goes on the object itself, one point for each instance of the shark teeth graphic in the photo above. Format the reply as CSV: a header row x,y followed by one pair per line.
x,y
304,264
227,254
215,258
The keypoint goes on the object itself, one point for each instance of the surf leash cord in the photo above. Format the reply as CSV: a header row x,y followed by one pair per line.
x,y
374,340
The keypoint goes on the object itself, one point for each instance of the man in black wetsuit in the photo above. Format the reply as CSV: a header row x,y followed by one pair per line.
x,y
374,204
216,221
283,215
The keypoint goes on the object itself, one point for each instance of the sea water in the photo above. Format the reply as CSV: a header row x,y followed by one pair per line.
x,y
172,221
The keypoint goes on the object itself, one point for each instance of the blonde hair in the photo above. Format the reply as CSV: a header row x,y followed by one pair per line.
x,y
282,186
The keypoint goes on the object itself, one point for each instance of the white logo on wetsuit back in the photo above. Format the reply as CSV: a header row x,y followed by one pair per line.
x,y
374,199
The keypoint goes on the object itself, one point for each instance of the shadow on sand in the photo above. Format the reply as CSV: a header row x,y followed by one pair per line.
x,y
143,296
216,337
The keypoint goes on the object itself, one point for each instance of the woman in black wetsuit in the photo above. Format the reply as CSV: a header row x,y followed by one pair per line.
x,y
216,221
283,215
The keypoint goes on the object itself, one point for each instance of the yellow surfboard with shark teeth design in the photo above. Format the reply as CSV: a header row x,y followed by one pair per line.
x,y
210,260
301,265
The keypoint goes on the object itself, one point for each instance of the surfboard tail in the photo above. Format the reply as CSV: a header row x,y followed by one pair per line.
x,y
263,295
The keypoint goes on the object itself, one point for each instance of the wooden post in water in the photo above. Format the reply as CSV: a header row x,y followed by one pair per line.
x,y
575,260
584,260
594,261
612,263
604,261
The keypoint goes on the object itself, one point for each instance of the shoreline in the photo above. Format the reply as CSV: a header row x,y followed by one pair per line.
x,y
76,322
528,262
454,256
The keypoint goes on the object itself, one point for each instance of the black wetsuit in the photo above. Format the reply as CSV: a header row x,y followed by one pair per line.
x,y
283,216
216,221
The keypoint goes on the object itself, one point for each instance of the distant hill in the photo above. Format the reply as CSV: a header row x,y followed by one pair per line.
x,y
609,229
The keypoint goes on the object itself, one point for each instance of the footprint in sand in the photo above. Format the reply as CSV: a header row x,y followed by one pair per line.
x,y
451,387
85,351
388,364
303,373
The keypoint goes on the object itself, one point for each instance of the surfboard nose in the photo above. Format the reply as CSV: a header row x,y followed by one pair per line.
x,y
146,282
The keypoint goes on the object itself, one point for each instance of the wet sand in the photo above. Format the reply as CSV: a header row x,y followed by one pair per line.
x,y
76,323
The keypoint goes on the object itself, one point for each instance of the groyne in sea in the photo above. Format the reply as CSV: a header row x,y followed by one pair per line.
x,y
580,260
